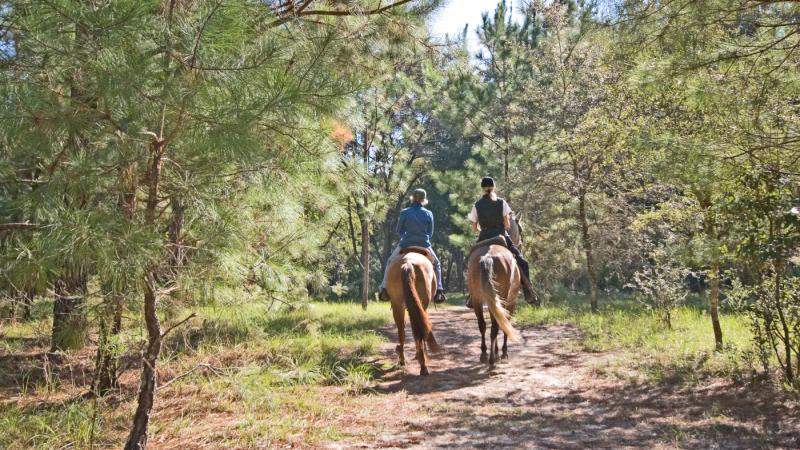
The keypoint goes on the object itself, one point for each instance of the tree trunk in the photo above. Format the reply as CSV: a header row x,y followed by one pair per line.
x,y
713,300
107,361
448,273
713,276
387,242
365,239
24,298
153,177
69,312
177,252
588,249
460,280
364,257
786,336
137,439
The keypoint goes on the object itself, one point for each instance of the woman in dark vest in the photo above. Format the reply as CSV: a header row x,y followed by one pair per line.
x,y
492,217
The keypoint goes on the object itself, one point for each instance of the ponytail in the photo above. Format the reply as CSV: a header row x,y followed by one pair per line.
x,y
489,190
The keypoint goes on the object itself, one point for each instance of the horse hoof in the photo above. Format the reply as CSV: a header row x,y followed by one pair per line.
x,y
504,356
484,357
424,371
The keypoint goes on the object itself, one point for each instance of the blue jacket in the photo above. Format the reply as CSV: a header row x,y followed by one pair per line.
x,y
415,227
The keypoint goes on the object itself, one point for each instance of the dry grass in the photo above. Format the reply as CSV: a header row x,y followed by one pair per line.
x,y
237,376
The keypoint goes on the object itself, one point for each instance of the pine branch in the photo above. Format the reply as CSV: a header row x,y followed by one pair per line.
x,y
300,12
19,226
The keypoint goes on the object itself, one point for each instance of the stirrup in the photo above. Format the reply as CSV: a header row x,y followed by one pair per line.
x,y
383,295
439,297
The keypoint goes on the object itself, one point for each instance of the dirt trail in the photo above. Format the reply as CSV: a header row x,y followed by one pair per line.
x,y
547,395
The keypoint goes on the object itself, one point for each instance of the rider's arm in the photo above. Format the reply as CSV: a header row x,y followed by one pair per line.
x,y
473,218
430,227
506,215
401,223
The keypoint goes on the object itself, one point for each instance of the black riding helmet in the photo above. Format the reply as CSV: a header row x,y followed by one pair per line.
x,y
487,182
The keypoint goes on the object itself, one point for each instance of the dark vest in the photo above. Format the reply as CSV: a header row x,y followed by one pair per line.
x,y
490,217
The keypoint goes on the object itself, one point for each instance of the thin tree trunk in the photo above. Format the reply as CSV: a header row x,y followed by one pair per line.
x,y
448,273
713,276
365,239
364,257
107,365
462,271
177,249
786,337
713,300
69,311
24,298
588,249
153,177
387,242
137,439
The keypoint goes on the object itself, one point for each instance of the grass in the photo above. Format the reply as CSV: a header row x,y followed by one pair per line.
x,y
683,353
244,377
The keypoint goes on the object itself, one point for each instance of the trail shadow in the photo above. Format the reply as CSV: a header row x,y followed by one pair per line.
x,y
449,379
628,416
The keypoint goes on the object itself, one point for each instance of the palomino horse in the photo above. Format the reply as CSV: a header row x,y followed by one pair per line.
x,y
411,283
493,279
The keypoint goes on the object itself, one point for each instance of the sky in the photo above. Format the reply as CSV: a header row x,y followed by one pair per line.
x,y
451,18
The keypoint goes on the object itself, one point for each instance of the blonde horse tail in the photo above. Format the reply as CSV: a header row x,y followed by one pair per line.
x,y
493,300
420,323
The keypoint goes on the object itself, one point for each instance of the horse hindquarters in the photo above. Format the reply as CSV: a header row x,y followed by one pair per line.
x,y
420,324
492,298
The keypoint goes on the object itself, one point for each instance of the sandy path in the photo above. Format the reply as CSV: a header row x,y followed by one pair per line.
x,y
547,395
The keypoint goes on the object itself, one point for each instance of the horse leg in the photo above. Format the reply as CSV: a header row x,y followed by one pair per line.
x,y
421,356
400,320
505,347
482,329
493,342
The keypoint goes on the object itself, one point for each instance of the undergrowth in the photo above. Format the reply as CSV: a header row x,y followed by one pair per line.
x,y
237,375
684,352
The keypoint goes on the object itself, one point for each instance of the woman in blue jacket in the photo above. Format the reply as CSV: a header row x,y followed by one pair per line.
x,y
415,228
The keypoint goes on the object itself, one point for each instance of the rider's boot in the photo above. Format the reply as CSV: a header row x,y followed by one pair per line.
x,y
439,297
469,302
527,291
384,295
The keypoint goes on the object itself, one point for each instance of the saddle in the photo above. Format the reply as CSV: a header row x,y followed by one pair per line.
x,y
421,250
497,240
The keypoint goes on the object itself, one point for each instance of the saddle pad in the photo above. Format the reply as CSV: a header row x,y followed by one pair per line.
x,y
421,250
497,240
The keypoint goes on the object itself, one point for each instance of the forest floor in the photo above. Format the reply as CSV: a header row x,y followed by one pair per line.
x,y
325,376
550,394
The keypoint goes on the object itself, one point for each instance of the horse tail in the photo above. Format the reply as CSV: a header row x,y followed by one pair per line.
x,y
493,300
420,323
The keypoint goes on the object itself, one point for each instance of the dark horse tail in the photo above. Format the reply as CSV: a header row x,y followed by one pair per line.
x,y
420,323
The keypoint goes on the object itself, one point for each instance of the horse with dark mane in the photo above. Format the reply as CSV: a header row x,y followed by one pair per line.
x,y
411,284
